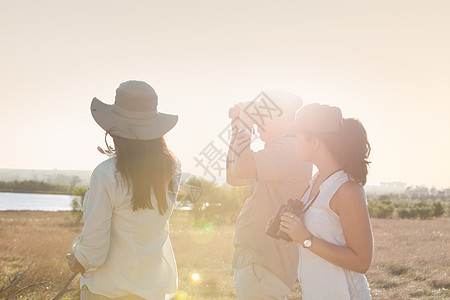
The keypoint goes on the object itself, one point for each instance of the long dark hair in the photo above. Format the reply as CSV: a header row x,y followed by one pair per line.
x,y
351,148
145,164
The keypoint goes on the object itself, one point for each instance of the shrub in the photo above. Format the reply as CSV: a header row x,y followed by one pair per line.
x,y
403,213
409,212
413,213
424,210
438,209
384,197
402,204
77,203
381,208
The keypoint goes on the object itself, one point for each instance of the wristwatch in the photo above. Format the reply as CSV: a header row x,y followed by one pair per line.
x,y
308,242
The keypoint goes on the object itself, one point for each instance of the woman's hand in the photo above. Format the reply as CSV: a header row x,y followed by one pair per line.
x,y
293,226
74,264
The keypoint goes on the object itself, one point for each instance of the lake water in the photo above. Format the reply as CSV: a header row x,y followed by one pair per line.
x,y
47,202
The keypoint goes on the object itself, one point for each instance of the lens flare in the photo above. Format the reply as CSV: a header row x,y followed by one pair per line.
x,y
202,231
195,277
181,296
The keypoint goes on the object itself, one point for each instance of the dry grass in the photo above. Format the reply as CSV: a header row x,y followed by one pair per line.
x,y
35,243
412,257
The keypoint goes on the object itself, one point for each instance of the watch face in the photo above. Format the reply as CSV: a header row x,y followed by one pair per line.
x,y
307,243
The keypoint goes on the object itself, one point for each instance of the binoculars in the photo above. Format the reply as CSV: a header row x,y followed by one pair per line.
x,y
292,206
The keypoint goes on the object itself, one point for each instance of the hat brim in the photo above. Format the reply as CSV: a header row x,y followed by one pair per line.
x,y
130,128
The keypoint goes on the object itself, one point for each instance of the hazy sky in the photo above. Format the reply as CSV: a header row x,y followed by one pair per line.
x,y
385,62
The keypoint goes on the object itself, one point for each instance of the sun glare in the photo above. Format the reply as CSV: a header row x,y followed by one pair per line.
x,y
195,277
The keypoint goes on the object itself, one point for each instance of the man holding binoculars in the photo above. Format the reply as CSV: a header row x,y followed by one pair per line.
x,y
265,268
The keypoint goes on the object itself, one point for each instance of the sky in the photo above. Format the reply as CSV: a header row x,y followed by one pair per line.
x,y
384,62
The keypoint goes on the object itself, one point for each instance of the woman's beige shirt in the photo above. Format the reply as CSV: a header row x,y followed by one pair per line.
x,y
125,252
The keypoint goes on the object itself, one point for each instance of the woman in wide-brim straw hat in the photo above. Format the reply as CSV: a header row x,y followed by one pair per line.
x,y
124,250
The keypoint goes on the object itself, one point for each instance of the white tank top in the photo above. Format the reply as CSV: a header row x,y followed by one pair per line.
x,y
319,278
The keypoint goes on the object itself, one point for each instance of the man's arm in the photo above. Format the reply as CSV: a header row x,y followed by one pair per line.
x,y
241,166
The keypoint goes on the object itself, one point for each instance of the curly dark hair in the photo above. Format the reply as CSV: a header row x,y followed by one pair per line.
x,y
350,147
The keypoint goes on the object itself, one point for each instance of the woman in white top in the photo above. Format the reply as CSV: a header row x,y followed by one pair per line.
x,y
334,233
124,250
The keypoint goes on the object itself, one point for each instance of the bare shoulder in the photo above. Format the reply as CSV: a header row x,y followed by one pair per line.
x,y
349,196
351,189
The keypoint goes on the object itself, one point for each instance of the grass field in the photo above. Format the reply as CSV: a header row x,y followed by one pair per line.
x,y
411,259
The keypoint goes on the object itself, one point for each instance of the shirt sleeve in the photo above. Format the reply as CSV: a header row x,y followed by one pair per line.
x,y
92,245
277,161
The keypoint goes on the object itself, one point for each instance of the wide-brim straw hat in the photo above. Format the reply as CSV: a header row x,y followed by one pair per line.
x,y
134,114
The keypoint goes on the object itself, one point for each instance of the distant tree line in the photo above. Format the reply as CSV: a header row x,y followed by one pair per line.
x,y
209,200
383,207
421,193
34,186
